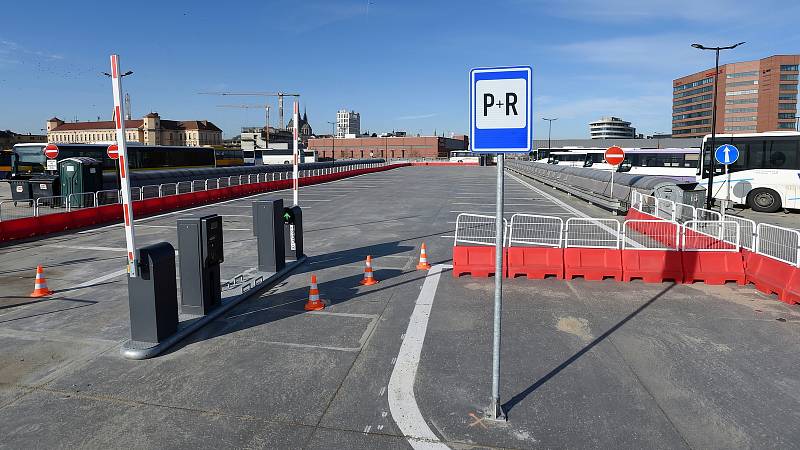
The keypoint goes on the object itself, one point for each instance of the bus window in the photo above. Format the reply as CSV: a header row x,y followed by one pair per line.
x,y
781,155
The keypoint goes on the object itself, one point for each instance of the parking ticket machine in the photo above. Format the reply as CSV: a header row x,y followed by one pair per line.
x,y
293,232
200,254
268,229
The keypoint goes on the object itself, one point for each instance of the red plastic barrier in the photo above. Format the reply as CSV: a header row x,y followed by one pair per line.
x,y
535,262
652,266
593,263
478,261
771,276
712,267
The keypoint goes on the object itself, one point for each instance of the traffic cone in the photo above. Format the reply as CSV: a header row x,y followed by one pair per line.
x,y
423,259
314,303
40,286
369,279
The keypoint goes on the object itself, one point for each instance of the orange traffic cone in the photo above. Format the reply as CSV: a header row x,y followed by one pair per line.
x,y
423,259
369,279
314,303
40,286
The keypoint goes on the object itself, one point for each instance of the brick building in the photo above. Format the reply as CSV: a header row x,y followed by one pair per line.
x,y
752,97
388,147
150,130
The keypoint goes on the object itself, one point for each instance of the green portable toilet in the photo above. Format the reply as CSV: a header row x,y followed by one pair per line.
x,y
80,175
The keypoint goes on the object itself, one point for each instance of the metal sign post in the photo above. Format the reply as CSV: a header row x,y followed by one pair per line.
x,y
122,150
500,122
614,156
726,155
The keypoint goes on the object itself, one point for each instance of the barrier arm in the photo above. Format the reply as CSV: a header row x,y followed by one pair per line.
x,y
125,185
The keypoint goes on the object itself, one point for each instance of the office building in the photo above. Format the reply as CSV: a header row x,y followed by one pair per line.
x,y
752,97
150,130
388,147
611,128
348,124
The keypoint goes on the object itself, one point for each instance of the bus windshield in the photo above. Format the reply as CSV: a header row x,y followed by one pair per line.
x,y
762,152
27,159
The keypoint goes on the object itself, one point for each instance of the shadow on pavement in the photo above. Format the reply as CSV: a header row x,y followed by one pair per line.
x,y
509,405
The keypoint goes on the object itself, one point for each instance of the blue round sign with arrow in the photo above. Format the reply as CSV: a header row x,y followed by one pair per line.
x,y
726,154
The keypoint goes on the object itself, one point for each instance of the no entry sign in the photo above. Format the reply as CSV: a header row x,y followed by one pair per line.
x,y
113,151
614,155
51,151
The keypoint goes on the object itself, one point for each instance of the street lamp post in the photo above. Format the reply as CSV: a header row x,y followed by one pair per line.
x,y
710,194
333,139
549,129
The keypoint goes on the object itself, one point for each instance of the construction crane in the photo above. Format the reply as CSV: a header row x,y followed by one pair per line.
x,y
266,116
280,96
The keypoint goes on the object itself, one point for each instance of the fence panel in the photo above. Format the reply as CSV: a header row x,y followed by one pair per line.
x,y
592,233
150,191
684,212
10,209
709,235
167,189
665,209
80,200
647,204
184,187
705,215
50,205
530,229
651,235
110,197
477,229
199,185
747,232
778,243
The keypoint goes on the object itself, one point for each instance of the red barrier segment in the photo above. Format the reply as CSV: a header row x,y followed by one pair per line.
x,y
28,227
478,261
592,263
771,276
444,163
712,267
535,262
652,266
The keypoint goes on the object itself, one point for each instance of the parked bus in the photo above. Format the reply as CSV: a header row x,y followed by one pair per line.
x,y
5,164
680,163
28,159
465,157
281,156
766,177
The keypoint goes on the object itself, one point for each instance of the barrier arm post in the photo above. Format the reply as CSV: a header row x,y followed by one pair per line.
x,y
296,153
496,412
125,185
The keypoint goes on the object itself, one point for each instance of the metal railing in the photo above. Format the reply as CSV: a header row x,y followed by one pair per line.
x,y
651,235
536,230
592,233
778,243
20,209
477,229
709,235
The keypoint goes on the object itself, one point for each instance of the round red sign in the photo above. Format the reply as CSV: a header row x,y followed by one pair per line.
x,y
113,151
51,151
615,155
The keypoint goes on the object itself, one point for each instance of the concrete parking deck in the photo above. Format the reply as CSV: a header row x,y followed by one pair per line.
x,y
584,364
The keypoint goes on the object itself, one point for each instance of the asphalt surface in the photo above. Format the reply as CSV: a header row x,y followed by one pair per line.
x,y
584,364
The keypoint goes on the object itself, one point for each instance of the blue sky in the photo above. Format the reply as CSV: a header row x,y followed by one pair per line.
x,y
403,64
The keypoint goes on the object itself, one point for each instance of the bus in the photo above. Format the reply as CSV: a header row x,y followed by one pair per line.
x,y
281,156
5,164
28,160
765,178
679,163
465,157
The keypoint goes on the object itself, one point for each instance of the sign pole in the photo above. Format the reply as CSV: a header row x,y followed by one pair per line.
x,y
496,410
125,185
613,169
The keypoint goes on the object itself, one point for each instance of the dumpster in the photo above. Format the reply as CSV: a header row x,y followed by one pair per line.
x,y
20,190
80,177
44,185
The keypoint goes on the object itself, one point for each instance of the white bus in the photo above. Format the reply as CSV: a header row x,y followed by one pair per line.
x,y
680,163
465,157
276,156
766,177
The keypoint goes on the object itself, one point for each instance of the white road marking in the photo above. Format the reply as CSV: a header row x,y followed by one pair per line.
x,y
402,403
367,428
94,249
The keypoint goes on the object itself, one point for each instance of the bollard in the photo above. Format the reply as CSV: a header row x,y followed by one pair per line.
x,y
201,253
153,295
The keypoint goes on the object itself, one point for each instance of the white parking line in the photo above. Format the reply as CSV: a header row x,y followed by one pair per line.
x,y
402,403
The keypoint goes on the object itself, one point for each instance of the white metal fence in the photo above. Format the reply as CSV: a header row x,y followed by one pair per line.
x,y
477,229
592,233
651,235
20,209
709,235
779,243
536,230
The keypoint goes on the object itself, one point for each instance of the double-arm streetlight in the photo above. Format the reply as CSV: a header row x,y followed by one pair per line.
x,y
710,194
549,129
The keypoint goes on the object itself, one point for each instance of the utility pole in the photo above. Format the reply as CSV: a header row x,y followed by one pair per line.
x,y
333,139
710,151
